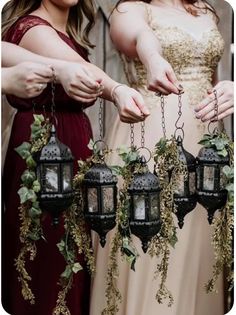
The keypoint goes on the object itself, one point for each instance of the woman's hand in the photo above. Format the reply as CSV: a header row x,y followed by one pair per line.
x,y
225,93
26,79
161,77
130,104
79,83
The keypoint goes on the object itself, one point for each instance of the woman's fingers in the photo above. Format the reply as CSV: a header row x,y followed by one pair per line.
x,y
140,104
206,109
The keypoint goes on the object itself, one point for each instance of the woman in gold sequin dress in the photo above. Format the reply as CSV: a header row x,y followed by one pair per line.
x,y
166,45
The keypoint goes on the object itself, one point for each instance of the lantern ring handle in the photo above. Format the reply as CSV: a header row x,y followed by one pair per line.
x,y
182,131
215,129
150,153
100,141
54,120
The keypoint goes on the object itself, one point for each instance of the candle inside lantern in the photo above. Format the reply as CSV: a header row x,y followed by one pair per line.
x,y
92,200
139,207
208,183
51,178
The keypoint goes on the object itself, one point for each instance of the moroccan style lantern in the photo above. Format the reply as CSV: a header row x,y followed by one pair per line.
x,y
185,197
55,174
211,192
144,192
100,196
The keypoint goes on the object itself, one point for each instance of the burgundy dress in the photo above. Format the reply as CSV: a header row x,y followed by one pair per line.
x,y
74,130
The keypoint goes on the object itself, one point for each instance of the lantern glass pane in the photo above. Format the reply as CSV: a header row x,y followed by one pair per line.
x,y
180,185
192,183
67,177
208,180
92,200
154,212
51,178
198,172
223,180
139,207
108,199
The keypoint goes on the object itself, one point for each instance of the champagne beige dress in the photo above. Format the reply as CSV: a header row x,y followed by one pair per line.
x,y
194,61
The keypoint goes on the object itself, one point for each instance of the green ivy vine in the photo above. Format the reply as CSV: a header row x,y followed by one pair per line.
x,y
222,237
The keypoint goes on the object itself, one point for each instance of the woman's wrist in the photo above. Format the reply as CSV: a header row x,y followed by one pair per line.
x,y
114,90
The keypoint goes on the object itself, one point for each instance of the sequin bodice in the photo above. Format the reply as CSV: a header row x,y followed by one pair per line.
x,y
194,60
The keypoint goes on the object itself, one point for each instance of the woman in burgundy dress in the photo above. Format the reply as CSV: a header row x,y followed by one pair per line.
x,y
48,28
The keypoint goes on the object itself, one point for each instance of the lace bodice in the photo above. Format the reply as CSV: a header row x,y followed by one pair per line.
x,y
194,60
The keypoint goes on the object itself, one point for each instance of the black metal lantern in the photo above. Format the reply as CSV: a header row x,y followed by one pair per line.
x,y
185,197
211,192
55,174
100,196
144,192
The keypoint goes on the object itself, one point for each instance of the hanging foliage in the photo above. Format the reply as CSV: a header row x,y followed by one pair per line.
x,y
122,241
222,238
168,167
75,239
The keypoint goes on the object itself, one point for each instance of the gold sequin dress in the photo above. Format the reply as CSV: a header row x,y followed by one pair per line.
x,y
194,61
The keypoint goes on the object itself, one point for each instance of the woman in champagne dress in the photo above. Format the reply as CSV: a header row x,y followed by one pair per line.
x,y
188,39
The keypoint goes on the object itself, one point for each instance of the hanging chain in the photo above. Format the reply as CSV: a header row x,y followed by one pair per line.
x,y
142,134
132,135
100,115
216,113
163,122
215,105
179,116
53,89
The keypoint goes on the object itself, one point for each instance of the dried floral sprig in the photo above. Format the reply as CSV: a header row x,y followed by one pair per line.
x,y
222,237
169,168
122,241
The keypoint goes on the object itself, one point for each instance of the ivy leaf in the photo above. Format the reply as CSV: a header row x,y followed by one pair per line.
x,y
223,152
174,238
76,267
28,177
228,171
61,246
26,194
24,150
36,186
30,162
35,236
38,120
67,272
116,170
34,212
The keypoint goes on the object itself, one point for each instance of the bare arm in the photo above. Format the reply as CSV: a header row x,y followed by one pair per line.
x,y
75,78
133,36
130,103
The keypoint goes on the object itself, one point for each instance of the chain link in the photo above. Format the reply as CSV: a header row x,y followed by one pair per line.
x,y
53,89
142,134
215,105
100,118
132,135
163,122
179,116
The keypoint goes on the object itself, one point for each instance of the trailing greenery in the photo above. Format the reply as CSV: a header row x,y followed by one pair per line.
x,y
29,210
222,238
122,241
169,168
75,239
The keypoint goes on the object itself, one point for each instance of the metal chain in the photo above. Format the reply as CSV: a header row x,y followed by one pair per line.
x,y
142,134
132,135
53,88
179,116
163,122
215,105
100,118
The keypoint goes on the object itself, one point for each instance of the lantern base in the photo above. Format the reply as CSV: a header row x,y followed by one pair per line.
x,y
145,231
101,224
184,205
55,204
212,201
